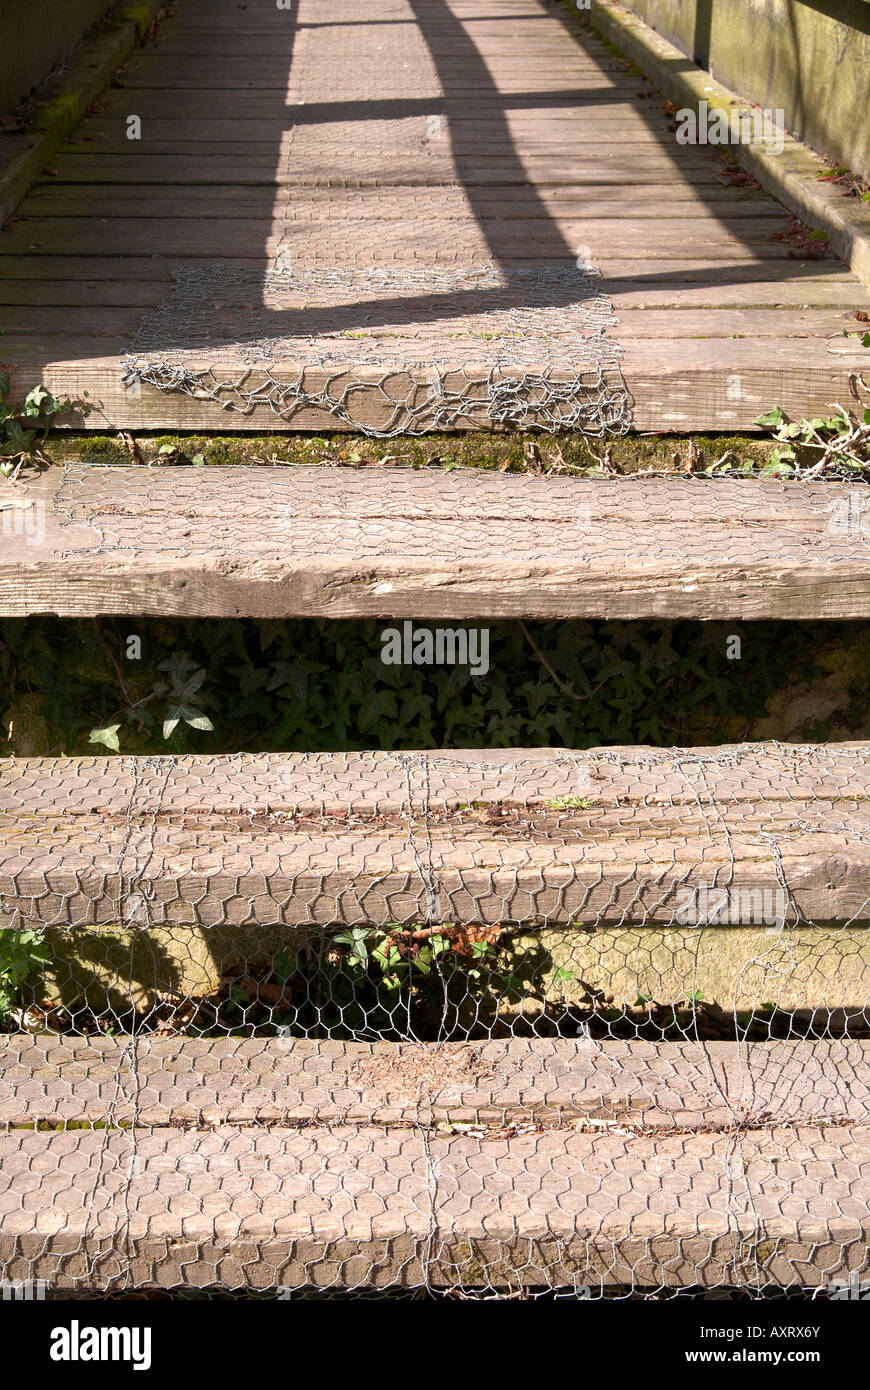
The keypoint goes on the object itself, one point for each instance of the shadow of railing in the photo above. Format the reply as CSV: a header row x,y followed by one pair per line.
x,y
461,69
703,32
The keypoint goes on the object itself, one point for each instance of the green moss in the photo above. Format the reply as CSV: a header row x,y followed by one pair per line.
x,y
221,452
571,454
140,15
58,109
101,448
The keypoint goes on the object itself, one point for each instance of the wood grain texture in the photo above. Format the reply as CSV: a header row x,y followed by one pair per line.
x,y
255,1207
71,1081
314,839
680,387
248,541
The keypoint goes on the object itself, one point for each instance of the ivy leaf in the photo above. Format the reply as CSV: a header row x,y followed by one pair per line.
x,y
180,667
196,719
107,736
190,686
17,435
772,419
36,399
171,722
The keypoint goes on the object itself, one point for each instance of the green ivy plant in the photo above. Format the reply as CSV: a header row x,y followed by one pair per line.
x,y
21,954
387,980
23,427
373,981
184,695
211,685
836,445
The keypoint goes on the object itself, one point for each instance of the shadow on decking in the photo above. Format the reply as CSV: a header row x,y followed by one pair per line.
x,y
460,67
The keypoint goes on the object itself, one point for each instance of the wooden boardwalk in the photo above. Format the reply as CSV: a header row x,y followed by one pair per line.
x,y
406,215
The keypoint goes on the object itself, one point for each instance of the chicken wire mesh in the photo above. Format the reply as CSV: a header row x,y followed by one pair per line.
x,y
393,297
520,347
487,1025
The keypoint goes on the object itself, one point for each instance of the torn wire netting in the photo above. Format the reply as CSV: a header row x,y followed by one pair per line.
x,y
431,349
482,1024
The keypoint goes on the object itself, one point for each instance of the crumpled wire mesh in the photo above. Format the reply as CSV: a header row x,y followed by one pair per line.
x,y
475,348
487,1025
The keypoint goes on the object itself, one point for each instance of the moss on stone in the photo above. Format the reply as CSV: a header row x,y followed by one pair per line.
x,y
734,967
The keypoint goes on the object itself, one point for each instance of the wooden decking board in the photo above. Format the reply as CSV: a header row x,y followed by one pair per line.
x,y
484,141
369,1207
95,200
480,137
318,237
211,836
666,385
557,108
609,164
646,322
333,542
69,1081
727,288
373,783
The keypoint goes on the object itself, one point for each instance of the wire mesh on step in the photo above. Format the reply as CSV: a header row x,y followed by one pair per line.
x,y
387,352
497,1024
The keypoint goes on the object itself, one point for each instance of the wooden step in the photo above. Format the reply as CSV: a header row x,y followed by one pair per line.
x,y
678,384
58,1082
740,875
538,835
269,1163
372,1207
397,543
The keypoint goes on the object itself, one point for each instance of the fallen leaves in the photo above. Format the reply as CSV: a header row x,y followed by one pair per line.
x,y
275,996
807,243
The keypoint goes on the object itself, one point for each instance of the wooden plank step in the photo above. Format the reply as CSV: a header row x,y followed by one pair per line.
x,y
648,322
336,542
799,282
546,837
532,237
678,386
609,165
482,138
99,200
364,1207
57,1082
